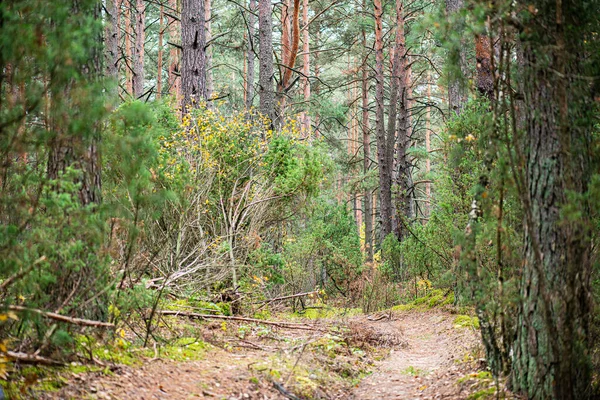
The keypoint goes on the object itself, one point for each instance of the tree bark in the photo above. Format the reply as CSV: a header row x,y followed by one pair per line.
x,y
384,162
250,56
367,197
402,176
483,56
193,57
159,67
138,50
551,352
128,51
209,76
305,69
112,39
174,55
427,208
265,73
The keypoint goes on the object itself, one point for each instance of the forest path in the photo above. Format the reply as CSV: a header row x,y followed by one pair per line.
x,y
422,363
426,367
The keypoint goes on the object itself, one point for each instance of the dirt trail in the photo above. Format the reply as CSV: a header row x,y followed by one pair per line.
x,y
422,367
426,367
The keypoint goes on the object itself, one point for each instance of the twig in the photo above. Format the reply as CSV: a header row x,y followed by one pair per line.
x,y
286,297
284,392
63,318
32,358
21,274
286,325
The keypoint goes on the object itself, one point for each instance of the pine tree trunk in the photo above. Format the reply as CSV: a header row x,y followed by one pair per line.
x,y
427,208
112,39
174,54
250,56
367,196
384,165
551,352
159,67
483,56
128,51
193,58
209,76
402,177
305,68
265,73
138,50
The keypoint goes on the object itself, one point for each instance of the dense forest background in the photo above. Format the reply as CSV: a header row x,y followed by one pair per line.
x,y
371,152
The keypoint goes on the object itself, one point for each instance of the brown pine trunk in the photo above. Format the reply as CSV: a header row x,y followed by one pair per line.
x,y
403,179
174,54
265,73
193,56
128,51
250,56
384,165
305,68
138,51
367,196
209,76
112,39
427,208
485,77
552,348
161,32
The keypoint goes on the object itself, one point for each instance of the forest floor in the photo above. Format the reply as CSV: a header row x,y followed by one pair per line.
x,y
412,354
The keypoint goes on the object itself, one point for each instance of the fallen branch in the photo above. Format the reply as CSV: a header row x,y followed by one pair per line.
x,y
31,358
286,297
284,392
63,318
287,325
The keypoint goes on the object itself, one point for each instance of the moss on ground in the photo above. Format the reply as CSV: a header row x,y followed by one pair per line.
x,y
466,321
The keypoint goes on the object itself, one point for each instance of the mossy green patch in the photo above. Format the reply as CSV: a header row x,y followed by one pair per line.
x,y
488,393
466,321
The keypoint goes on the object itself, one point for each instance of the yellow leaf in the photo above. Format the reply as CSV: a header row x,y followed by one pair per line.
x,y
12,315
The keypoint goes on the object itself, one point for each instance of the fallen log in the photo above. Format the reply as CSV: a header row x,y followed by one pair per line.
x,y
63,318
287,325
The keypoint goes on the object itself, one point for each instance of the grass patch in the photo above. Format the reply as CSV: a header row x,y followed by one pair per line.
x,y
466,321
435,298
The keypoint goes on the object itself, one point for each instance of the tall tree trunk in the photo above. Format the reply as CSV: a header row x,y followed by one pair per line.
x,y
305,69
174,54
551,352
367,197
112,39
395,80
290,42
427,208
159,67
483,56
209,76
457,92
128,50
402,176
250,56
193,57
138,50
265,73
385,169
